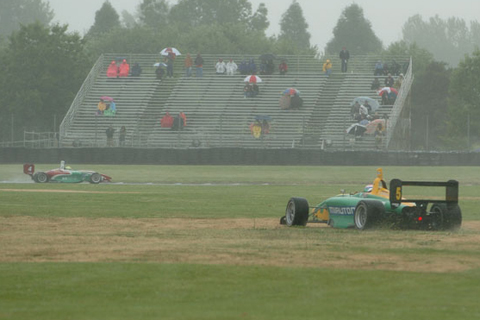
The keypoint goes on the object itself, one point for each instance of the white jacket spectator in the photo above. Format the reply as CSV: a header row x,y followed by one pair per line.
x,y
220,66
231,67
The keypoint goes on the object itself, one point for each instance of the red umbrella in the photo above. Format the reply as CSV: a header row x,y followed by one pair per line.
x,y
253,79
372,125
166,51
387,90
106,98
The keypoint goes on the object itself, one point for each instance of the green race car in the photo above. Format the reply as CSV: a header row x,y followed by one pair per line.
x,y
377,205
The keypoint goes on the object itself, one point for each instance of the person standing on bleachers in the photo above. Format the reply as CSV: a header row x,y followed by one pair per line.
x,y
170,58
199,66
109,132
327,67
344,56
283,67
188,63
102,106
136,70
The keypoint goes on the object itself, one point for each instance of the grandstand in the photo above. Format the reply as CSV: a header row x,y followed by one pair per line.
x,y
218,115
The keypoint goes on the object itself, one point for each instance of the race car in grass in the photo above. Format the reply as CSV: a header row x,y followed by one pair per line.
x,y
64,174
377,206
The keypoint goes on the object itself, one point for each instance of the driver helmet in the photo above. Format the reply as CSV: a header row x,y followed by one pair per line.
x,y
68,168
368,188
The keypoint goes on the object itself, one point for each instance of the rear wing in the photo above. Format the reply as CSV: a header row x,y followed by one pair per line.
x,y
28,168
396,191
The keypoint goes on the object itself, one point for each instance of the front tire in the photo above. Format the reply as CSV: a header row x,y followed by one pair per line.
x,y
95,178
368,214
296,213
41,177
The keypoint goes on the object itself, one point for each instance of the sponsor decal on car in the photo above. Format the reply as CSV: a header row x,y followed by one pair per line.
x,y
341,210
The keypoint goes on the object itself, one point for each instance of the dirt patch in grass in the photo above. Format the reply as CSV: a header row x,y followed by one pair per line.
x,y
235,242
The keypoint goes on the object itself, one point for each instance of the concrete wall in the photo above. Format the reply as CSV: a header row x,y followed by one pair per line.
x,y
235,156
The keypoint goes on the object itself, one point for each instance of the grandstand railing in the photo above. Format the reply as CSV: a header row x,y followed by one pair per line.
x,y
86,86
399,104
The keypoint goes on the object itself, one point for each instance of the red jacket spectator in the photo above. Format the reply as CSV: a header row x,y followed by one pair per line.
x,y
124,69
184,117
166,121
112,70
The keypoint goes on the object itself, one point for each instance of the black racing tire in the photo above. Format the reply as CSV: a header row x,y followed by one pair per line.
x,y
296,212
41,177
34,177
447,217
368,214
95,178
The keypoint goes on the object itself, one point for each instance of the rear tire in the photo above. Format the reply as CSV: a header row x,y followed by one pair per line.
x,y
95,178
368,214
446,217
296,213
41,177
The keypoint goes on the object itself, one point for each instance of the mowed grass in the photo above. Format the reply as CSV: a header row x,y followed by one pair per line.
x,y
142,289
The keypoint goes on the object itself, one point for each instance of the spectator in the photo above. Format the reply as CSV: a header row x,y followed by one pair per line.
x,y
111,109
109,132
327,67
243,67
136,70
159,72
124,69
395,68
270,66
363,112
378,71
398,83
231,67
263,67
166,121
256,129
220,67
255,90
344,56
199,66
379,133
188,63
247,90
389,80
179,122
355,111
170,58
121,137
375,84
102,106
368,106
296,102
283,67
252,67
112,70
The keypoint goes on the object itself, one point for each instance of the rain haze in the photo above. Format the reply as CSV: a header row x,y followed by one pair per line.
x,y
322,16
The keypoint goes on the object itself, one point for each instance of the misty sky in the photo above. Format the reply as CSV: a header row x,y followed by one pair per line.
x,y
387,17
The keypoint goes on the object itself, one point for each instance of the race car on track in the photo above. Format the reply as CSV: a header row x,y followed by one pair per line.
x,y
377,205
64,174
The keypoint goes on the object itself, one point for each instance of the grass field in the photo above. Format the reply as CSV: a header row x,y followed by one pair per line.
x,y
203,242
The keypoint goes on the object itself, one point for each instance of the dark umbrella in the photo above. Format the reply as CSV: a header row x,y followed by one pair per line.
x,y
356,129
267,56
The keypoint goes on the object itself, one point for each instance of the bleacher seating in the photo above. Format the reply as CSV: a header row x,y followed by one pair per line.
x,y
218,115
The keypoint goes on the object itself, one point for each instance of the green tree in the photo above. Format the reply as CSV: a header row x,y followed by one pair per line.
x,y
294,27
106,19
354,32
154,13
193,13
259,20
13,13
44,68
449,40
464,102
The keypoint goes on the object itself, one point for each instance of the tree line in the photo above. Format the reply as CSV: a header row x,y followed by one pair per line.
x,y
45,65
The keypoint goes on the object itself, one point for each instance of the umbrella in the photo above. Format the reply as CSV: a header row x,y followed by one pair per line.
x,y
372,102
291,91
356,129
388,90
163,64
106,98
166,51
373,125
253,79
